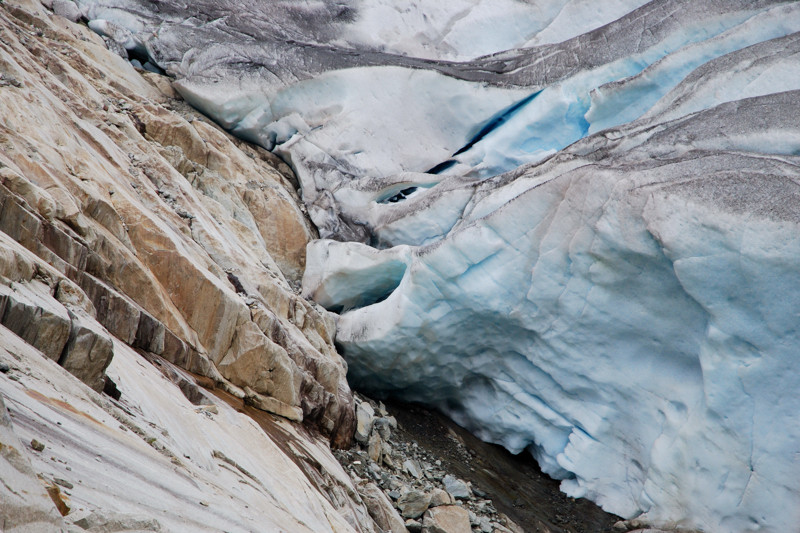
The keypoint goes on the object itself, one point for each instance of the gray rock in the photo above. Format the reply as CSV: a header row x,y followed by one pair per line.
x,y
457,488
63,482
28,310
88,351
67,9
383,427
412,467
381,509
365,416
413,503
413,526
441,497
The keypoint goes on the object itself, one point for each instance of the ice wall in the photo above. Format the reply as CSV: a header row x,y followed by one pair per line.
x,y
583,244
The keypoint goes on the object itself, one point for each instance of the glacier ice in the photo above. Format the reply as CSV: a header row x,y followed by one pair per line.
x,y
573,226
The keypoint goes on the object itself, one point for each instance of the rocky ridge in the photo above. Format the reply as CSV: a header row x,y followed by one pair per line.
x,y
122,217
147,258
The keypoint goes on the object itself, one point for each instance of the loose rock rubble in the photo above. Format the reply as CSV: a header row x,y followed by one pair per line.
x,y
407,487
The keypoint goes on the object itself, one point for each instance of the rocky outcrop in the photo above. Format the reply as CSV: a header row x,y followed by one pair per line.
x,y
203,461
126,215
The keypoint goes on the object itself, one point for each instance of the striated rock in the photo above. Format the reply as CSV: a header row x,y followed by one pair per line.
x,y
28,310
189,460
380,509
26,505
446,519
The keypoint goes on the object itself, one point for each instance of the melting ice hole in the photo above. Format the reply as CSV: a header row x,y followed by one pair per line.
x,y
365,286
402,195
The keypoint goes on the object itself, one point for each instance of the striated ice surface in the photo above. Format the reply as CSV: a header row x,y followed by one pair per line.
x,y
573,226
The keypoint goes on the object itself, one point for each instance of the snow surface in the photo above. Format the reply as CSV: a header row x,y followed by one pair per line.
x,y
584,244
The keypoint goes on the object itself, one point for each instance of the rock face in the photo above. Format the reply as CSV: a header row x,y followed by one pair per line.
x,y
26,505
144,252
582,244
123,217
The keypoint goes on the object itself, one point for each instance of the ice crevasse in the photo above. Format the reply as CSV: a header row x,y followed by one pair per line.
x,y
575,229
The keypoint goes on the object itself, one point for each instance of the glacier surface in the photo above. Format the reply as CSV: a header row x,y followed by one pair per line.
x,y
573,226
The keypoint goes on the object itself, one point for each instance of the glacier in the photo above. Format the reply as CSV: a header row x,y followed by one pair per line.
x,y
572,226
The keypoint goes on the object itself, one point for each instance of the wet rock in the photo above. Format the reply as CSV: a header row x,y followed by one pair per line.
x,y
446,519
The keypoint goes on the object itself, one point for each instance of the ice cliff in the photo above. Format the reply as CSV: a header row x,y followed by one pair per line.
x,y
573,226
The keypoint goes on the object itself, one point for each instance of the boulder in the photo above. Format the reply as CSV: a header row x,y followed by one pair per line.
x,y
413,503
381,509
365,416
446,519
456,487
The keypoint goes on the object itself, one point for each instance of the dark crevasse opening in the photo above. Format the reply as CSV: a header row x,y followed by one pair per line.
x,y
496,121
489,126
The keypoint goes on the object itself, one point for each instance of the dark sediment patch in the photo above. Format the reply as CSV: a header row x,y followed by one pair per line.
x,y
514,483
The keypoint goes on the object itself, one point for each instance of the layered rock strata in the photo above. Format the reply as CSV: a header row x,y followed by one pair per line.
x,y
139,242
123,218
